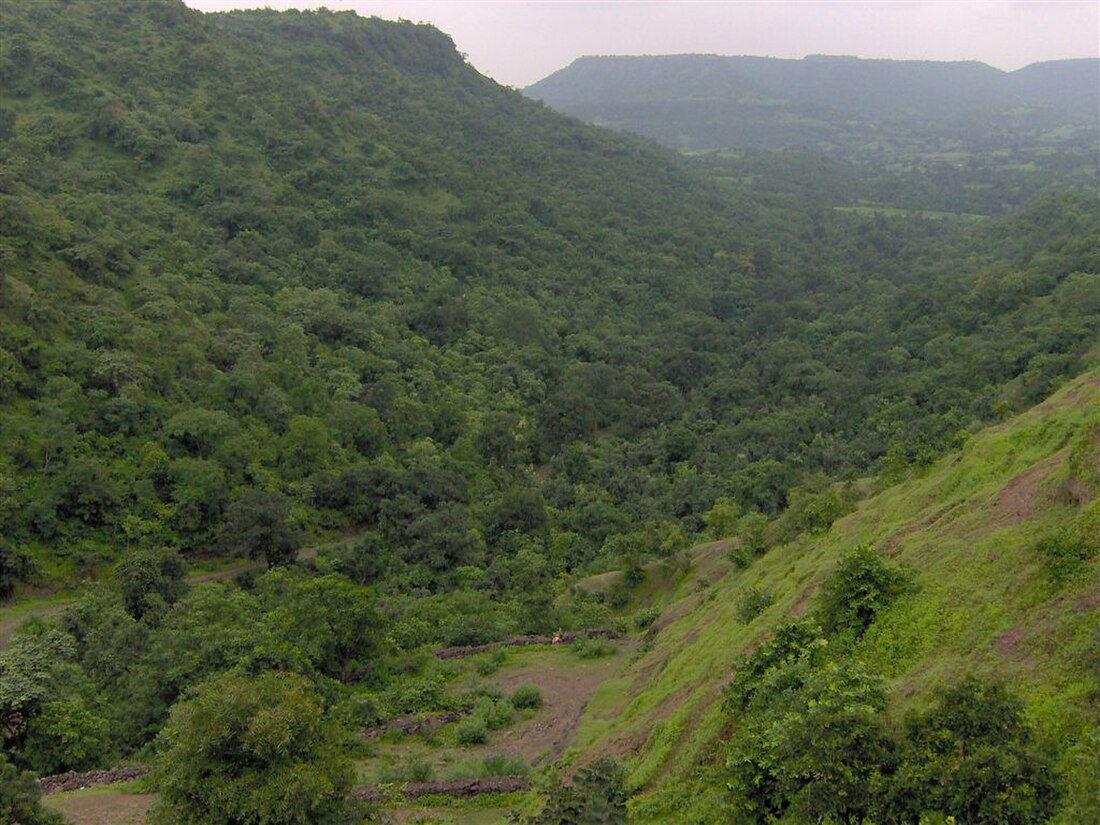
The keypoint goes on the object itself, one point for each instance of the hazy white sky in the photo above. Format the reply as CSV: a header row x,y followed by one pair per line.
x,y
517,42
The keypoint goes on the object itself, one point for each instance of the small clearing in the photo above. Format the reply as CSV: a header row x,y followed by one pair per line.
x,y
11,619
101,806
567,683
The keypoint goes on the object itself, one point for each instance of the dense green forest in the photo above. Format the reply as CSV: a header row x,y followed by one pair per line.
x,y
306,284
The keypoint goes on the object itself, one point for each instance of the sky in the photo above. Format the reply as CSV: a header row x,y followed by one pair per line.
x,y
517,42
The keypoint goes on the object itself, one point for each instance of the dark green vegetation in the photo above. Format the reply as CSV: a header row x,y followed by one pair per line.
x,y
271,278
20,797
252,750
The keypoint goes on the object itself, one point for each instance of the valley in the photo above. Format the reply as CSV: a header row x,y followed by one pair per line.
x,y
378,444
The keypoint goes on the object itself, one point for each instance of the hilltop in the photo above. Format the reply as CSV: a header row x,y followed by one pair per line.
x,y
702,102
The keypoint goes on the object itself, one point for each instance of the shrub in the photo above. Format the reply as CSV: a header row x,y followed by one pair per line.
x,y
495,713
752,602
1065,554
15,566
489,689
971,756
471,731
416,695
231,750
812,746
526,697
589,610
363,561
360,710
418,769
795,642
588,648
861,587
151,580
20,797
487,663
617,595
645,617
597,796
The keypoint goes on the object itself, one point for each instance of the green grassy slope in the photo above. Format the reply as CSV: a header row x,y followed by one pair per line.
x,y
986,604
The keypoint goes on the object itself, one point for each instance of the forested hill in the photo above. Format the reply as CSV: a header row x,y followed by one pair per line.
x,y
314,271
712,102
307,288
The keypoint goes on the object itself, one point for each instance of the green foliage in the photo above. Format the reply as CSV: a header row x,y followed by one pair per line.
x,y
414,695
794,643
1066,551
151,581
596,796
346,299
411,769
526,697
593,648
721,519
348,330
20,797
811,512
488,663
752,532
15,566
862,586
51,716
972,756
495,712
258,525
364,560
811,746
752,602
645,617
473,730
495,764
245,749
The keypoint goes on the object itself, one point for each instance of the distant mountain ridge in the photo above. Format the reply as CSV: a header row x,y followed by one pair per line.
x,y
712,101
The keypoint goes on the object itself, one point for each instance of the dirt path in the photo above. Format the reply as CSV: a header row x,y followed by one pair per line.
x,y
566,688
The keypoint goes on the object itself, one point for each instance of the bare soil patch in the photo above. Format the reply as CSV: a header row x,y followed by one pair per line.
x,y
1019,499
566,689
1008,644
803,599
103,807
1089,601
